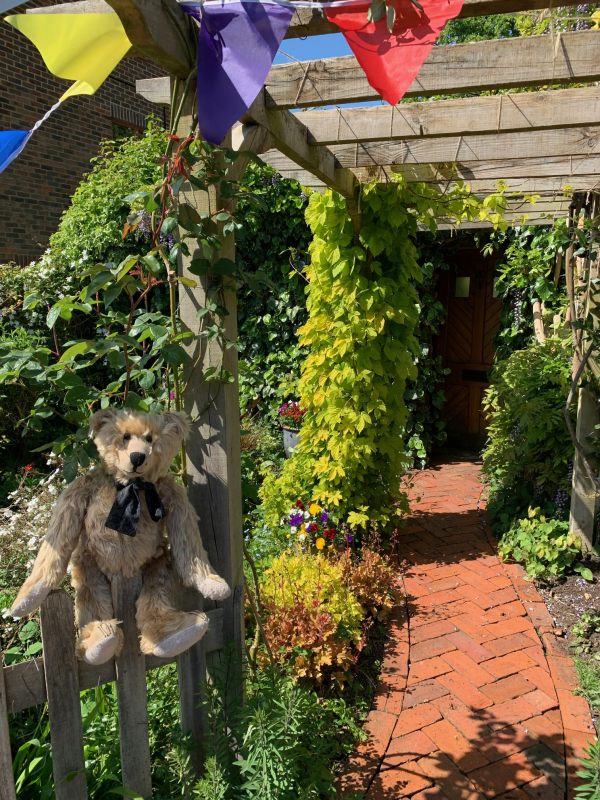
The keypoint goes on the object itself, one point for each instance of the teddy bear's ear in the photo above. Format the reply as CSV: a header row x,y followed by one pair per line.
x,y
100,418
176,423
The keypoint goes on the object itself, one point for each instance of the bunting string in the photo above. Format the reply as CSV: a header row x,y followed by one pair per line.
x,y
84,48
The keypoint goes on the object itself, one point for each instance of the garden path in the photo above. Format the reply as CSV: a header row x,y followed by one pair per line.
x,y
475,699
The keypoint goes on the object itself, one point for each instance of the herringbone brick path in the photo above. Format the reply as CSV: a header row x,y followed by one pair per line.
x,y
476,694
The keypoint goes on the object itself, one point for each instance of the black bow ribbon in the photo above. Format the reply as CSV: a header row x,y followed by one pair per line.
x,y
125,512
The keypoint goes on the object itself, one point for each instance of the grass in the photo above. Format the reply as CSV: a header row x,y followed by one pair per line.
x,y
589,678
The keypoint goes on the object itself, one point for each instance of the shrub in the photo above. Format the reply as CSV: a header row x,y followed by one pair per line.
x,y
317,582
545,547
279,746
528,450
313,621
371,579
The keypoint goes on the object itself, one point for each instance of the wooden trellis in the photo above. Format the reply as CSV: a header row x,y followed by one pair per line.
x,y
536,142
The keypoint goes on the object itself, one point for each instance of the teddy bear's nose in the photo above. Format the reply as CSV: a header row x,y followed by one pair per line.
x,y
137,459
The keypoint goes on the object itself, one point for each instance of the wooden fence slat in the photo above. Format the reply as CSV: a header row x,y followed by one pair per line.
x,y
191,671
7,784
62,688
25,685
131,685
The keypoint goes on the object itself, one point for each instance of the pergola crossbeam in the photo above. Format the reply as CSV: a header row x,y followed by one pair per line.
x,y
519,111
292,139
311,22
450,69
530,144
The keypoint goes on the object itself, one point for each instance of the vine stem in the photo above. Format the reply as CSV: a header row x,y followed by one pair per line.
x,y
255,603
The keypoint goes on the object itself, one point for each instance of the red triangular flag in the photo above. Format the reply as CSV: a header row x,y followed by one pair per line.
x,y
391,61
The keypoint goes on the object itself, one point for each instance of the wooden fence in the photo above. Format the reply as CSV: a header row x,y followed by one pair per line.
x,y
58,678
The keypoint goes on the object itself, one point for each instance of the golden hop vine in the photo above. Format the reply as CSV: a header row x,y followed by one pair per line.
x,y
363,307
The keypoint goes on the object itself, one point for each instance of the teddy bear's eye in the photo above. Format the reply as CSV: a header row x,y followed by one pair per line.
x,y
148,438
126,437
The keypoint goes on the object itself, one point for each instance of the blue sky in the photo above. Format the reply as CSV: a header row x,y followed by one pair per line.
x,y
326,46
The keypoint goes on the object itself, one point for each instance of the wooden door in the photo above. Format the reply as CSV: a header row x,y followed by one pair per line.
x,y
466,342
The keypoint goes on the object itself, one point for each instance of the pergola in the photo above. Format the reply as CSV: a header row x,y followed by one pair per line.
x,y
536,141
539,141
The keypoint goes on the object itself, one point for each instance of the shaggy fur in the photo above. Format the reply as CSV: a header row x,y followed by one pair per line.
x,y
77,534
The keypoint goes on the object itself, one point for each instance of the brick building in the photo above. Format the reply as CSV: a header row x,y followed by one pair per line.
x,y
35,189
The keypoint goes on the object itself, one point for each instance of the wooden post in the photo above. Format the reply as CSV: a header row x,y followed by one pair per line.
x,y
7,784
213,463
584,498
131,688
62,689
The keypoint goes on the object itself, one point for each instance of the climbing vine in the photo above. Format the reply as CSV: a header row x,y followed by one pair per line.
x,y
363,307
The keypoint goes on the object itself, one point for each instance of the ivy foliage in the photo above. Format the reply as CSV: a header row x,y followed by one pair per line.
x,y
526,458
93,223
271,244
363,307
362,311
545,546
526,274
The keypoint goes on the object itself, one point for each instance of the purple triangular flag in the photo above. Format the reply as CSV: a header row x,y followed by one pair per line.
x,y
236,47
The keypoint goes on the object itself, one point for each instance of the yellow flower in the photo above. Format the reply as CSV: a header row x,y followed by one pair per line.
x,y
320,543
302,528
315,509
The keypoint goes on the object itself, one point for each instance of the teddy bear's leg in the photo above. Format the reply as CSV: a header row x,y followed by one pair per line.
x,y
165,631
100,637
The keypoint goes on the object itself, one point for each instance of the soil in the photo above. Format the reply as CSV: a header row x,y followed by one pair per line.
x,y
567,601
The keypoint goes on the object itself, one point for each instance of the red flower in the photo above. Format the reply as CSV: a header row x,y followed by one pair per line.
x,y
27,467
300,504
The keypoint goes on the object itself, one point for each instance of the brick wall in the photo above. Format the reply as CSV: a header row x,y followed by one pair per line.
x,y
36,187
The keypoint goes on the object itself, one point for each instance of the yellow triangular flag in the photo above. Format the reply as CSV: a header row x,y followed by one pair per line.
x,y
80,47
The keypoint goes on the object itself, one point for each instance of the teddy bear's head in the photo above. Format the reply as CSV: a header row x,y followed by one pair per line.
x,y
132,444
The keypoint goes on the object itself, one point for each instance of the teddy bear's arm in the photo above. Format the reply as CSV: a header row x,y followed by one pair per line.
x,y
188,553
50,565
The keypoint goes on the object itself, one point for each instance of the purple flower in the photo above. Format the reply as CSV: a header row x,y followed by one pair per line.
x,y
349,538
297,518
324,516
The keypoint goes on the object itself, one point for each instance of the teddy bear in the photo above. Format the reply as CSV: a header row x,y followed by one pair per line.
x,y
127,516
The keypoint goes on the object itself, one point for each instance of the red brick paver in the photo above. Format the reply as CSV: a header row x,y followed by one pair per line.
x,y
476,697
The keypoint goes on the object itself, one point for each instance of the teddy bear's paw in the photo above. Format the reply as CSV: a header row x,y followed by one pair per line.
x,y
175,643
31,601
213,587
100,642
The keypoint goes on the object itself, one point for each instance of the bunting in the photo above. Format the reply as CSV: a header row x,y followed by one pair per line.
x,y
391,61
237,43
84,48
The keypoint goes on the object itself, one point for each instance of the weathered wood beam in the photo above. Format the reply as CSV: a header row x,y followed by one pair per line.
x,y
155,90
500,113
292,139
160,31
555,186
311,22
508,167
530,144
449,69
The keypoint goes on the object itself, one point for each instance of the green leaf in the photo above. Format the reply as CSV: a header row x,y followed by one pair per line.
x,y
76,350
188,216
174,354
154,265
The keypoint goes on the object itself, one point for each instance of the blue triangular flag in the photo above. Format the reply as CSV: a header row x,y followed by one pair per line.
x,y
11,144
